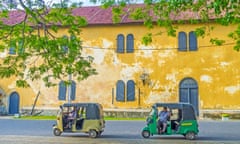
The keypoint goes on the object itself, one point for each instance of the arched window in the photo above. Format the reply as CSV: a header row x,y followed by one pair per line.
x,y
73,90
120,43
192,41
62,89
130,43
120,91
182,41
130,90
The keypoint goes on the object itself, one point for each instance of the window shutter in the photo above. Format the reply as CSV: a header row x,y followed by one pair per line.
x,y
182,41
130,43
130,90
120,91
120,43
192,41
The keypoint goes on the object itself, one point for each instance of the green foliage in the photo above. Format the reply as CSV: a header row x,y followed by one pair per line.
x,y
200,31
22,83
217,41
236,36
147,39
38,51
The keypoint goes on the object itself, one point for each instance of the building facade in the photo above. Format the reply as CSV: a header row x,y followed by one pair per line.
x,y
185,68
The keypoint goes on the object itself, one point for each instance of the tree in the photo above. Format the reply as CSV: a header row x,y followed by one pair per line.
x,y
165,13
29,33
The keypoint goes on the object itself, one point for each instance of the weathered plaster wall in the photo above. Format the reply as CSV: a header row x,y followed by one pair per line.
x,y
215,68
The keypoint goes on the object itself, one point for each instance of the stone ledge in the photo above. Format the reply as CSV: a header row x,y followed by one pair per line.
x,y
141,113
217,114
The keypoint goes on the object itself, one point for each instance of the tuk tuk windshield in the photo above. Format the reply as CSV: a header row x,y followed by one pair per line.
x,y
153,111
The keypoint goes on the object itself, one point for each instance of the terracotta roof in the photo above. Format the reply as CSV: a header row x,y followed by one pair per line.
x,y
14,17
93,14
96,15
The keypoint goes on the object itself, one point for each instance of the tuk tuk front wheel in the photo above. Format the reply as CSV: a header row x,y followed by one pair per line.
x,y
57,132
145,134
93,134
190,135
99,133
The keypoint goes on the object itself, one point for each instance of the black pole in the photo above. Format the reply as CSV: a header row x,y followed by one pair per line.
x,y
138,97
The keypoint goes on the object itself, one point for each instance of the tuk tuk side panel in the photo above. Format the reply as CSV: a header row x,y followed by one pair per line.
x,y
188,126
169,127
153,126
92,124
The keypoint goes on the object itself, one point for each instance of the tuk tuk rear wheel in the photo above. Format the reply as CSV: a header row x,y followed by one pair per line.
x,y
145,134
190,136
57,132
93,134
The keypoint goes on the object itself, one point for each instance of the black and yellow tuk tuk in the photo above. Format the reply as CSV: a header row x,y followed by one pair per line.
x,y
182,121
80,118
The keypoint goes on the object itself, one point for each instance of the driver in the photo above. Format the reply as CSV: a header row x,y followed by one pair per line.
x,y
164,116
71,117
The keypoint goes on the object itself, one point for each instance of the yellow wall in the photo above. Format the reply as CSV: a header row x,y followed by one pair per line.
x,y
215,69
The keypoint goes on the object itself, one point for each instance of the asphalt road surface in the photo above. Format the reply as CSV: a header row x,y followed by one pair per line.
x,y
14,131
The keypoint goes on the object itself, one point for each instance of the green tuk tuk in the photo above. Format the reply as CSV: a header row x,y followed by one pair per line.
x,y
182,121
88,118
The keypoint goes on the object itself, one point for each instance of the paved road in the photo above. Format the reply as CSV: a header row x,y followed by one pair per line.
x,y
116,132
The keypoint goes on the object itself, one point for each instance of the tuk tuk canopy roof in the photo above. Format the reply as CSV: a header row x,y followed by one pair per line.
x,y
186,110
93,110
173,105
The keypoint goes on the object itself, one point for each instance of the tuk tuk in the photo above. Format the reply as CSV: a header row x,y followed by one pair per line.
x,y
182,121
87,118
